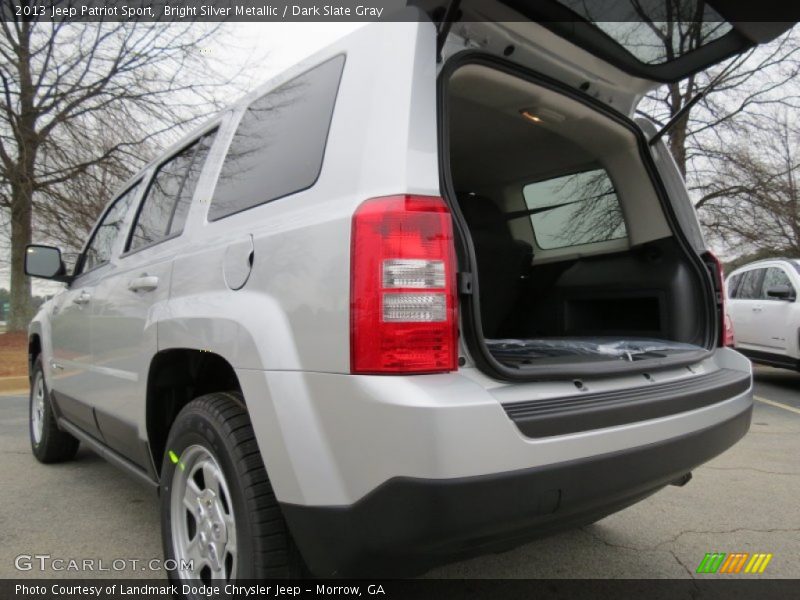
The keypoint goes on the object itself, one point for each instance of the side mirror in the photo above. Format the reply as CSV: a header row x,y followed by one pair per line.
x,y
781,292
45,262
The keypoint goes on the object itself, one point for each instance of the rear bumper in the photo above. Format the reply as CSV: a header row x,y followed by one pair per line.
x,y
407,525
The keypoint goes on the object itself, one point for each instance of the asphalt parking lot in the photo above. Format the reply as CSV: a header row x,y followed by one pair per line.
x,y
743,501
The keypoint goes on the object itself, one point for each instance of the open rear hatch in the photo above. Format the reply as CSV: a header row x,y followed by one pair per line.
x,y
574,263
615,51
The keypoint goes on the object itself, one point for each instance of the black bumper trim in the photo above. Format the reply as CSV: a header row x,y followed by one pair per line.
x,y
407,525
583,412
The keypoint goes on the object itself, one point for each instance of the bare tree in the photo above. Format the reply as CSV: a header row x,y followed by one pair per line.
x,y
662,31
709,142
754,81
726,170
69,209
754,183
78,102
595,214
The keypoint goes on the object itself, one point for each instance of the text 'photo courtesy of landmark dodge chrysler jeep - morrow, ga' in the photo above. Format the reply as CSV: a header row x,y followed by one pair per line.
x,y
430,293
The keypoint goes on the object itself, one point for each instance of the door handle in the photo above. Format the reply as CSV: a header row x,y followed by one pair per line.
x,y
145,283
758,308
83,297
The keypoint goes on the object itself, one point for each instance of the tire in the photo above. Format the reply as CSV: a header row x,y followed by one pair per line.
x,y
48,443
211,444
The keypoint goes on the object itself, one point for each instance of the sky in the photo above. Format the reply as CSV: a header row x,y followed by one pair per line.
x,y
274,47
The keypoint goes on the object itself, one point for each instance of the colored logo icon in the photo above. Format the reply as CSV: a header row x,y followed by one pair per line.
x,y
734,563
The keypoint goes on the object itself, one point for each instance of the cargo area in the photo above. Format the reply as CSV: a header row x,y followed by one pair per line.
x,y
573,258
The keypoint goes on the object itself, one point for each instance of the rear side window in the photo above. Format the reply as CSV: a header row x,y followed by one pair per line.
x,y
750,286
99,250
280,142
576,209
166,205
733,285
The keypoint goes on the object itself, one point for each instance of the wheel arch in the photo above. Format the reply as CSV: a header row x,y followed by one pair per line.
x,y
34,351
177,376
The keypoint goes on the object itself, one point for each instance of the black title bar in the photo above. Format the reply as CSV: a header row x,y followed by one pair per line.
x,y
371,10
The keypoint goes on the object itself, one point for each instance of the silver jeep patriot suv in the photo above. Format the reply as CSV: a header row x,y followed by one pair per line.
x,y
430,293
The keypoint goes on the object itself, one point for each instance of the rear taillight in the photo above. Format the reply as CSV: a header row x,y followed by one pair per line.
x,y
726,325
728,338
402,287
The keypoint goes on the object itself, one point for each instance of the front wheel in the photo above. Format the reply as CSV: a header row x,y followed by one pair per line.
x,y
48,443
220,519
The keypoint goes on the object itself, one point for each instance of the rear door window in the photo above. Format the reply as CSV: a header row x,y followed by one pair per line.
x,y
750,286
733,285
576,209
280,142
165,207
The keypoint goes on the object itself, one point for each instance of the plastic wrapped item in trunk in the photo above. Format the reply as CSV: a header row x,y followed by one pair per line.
x,y
521,351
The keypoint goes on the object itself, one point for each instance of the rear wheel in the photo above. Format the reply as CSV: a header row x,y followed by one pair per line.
x,y
48,443
220,519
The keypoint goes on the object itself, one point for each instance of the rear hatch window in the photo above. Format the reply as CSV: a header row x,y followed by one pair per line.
x,y
652,40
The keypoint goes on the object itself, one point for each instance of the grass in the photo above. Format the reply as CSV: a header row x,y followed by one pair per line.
x,y
13,354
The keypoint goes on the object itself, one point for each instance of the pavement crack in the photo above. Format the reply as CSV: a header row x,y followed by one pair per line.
x,y
682,564
658,547
605,542
765,471
724,531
